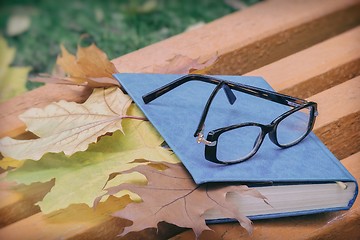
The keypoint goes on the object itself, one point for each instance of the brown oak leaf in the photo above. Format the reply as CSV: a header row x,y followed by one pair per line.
x,y
172,196
181,64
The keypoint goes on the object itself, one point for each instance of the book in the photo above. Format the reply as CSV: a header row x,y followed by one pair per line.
x,y
303,179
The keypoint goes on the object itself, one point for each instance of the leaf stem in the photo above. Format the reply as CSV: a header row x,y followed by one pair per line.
x,y
135,117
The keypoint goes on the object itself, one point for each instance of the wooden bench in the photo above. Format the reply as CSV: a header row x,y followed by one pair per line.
x,y
309,49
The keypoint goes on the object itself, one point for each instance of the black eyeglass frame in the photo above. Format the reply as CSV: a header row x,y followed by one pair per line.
x,y
228,86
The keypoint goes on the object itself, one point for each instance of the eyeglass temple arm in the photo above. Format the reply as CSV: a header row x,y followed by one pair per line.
x,y
267,94
191,77
258,92
200,126
227,86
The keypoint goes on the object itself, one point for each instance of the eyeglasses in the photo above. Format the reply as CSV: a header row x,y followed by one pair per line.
x,y
285,131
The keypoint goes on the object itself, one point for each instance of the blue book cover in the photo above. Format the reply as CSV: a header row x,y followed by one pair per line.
x,y
176,115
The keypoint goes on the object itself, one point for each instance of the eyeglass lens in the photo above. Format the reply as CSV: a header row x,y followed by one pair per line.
x,y
242,143
245,140
292,128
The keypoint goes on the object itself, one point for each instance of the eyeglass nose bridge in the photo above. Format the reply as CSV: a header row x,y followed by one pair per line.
x,y
265,129
272,133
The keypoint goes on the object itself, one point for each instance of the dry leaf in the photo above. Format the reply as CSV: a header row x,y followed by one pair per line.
x,y
172,196
181,64
7,163
90,67
67,126
80,178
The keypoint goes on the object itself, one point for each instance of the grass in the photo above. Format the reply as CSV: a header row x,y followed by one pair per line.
x,y
117,27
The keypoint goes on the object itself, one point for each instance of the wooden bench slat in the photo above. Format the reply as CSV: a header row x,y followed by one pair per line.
x,y
346,105
339,116
325,104
345,222
244,41
337,102
20,203
60,225
252,38
78,222
326,100
346,226
12,126
38,226
317,68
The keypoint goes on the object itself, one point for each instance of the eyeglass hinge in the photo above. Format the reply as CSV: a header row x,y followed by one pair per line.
x,y
293,104
200,139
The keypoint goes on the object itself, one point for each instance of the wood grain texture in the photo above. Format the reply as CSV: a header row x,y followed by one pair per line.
x,y
244,41
345,226
20,203
87,225
317,56
12,126
323,65
58,226
327,100
342,224
339,116
252,38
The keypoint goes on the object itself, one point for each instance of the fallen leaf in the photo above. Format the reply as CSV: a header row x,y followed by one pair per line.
x,y
7,163
91,82
172,196
17,24
181,64
90,67
79,214
92,61
80,178
67,126
12,79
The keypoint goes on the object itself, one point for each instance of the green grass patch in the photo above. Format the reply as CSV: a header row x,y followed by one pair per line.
x,y
117,27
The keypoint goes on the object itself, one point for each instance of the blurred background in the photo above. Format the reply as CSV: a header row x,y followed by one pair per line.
x,y
36,28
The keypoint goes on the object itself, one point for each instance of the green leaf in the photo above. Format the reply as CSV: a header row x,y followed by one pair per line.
x,y
81,177
6,163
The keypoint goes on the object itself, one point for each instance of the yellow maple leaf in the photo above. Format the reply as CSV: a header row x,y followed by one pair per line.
x,y
12,79
81,177
67,126
90,67
7,162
